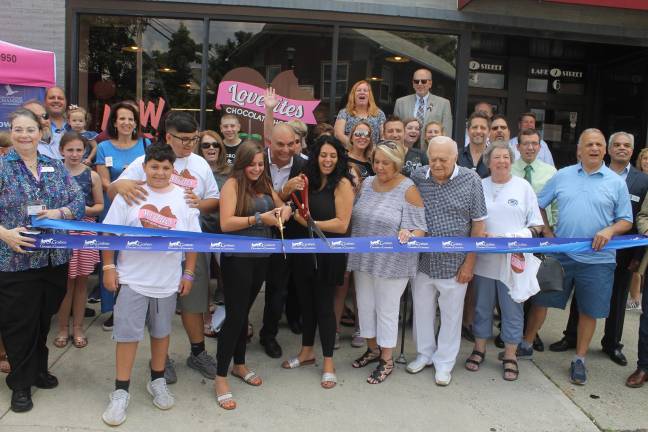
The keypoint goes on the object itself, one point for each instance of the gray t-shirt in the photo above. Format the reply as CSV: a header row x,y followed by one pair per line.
x,y
384,214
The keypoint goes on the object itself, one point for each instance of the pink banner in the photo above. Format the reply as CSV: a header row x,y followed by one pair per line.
x,y
250,97
26,66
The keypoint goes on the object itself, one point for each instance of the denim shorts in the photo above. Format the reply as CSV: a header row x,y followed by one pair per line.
x,y
591,283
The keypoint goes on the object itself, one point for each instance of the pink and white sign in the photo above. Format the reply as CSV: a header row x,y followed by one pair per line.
x,y
250,97
26,66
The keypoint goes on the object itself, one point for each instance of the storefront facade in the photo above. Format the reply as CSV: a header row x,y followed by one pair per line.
x,y
574,65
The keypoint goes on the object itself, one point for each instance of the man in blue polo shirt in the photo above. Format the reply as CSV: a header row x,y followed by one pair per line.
x,y
593,201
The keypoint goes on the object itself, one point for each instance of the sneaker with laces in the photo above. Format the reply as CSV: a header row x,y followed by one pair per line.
x,y
203,363
162,397
170,372
108,324
357,341
578,372
115,413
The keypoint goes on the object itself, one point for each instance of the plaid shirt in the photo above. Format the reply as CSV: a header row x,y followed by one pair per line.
x,y
450,209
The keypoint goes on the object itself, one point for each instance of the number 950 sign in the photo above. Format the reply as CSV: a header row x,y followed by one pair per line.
x,y
8,58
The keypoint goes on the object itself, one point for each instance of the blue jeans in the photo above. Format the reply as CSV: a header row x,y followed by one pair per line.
x,y
487,291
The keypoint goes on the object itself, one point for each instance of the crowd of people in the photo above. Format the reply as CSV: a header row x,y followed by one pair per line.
x,y
367,175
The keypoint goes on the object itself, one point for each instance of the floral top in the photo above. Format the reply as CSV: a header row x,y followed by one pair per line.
x,y
18,188
376,122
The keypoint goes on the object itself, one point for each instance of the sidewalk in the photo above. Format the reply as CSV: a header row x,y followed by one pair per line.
x,y
541,400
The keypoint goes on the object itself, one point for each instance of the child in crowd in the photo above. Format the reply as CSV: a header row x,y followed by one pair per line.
x,y
83,261
5,143
78,119
148,281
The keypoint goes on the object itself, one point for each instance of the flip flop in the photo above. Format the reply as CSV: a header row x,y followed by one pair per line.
x,y
249,378
328,377
80,342
223,399
294,363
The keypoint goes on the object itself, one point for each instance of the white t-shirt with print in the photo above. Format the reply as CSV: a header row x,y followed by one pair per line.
x,y
511,206
153,273
191,172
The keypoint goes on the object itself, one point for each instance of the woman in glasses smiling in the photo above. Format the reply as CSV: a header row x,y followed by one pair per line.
x,y
360,148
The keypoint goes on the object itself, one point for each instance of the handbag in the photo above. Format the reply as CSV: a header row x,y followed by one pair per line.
x,y
550,274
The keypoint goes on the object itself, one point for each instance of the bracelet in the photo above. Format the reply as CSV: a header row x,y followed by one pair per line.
x,y
109,267
189,272
248,221
187,277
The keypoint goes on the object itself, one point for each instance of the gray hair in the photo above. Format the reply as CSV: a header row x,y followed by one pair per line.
x,y
441,139
616,134
499,144
33,102
589,131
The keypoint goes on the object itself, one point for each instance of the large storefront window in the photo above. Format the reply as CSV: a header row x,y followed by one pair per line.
x,y
271,49
142,59
388,59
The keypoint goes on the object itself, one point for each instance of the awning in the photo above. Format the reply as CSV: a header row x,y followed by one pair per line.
x,y
620,4
397,45
26,66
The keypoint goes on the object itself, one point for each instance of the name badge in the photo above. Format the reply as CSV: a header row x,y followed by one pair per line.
x,y
47,169
109,161
634,198
34,209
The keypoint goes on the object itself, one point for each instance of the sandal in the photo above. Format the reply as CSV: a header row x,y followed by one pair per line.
x,y
250,378
61,341
226,401
329,380
294,363
515,372
79,341
382,371
5,367
476,363
368,357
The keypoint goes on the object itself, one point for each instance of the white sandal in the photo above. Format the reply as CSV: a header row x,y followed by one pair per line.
x,y
294,363
328,377
223,399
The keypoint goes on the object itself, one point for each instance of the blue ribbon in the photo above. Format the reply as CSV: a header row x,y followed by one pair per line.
x,y
165,240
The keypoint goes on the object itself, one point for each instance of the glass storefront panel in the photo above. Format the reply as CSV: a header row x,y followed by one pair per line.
x,y
271,49
388,59
141,59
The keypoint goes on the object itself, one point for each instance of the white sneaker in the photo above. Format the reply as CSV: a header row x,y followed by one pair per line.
x,y
162,397
115,414
357,341
417,365
442,378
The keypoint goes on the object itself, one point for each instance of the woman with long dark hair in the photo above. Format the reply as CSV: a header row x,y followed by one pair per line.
x,y
331,202
249,207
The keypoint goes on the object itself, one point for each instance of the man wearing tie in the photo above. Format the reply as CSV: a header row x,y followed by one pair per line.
x,y
423,105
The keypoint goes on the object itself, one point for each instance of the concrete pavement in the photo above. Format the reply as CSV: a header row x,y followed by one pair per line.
x,y
541,400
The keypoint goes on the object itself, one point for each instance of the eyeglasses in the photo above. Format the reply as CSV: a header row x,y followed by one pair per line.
x,y
207,144
243,135
186,140
420,81
361,134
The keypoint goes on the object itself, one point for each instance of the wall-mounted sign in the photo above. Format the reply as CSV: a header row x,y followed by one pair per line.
x,y
486,66
563,73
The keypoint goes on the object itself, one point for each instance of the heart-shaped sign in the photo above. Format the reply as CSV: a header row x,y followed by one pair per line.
x,y
184,179
151,217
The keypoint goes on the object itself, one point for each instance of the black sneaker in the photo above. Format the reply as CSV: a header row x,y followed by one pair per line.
x,y
89,313
108,324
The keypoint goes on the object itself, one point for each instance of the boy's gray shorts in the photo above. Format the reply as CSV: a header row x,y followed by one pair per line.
x,y
134,310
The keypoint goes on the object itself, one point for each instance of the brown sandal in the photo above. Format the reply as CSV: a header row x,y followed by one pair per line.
x,y
477,363
515,372
368,357
382,371
61,341
79,341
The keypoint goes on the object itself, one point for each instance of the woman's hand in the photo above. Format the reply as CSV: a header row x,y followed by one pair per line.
x,y
49,214
15,241
404,236
271,218
111,279
286,213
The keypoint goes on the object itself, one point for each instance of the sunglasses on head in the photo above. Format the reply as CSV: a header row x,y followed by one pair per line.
x,y
206,145
390,144
361,134
420,81
44,116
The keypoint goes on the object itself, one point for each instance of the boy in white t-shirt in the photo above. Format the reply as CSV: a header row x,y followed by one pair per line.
x,y
148,281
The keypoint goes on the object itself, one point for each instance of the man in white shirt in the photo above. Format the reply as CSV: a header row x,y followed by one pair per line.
x,y
528,121
193,174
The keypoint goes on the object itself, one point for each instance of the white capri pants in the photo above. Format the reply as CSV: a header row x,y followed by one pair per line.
x,y
449,294
378,305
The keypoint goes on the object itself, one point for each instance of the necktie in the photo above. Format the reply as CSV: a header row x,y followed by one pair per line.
x,y
420,113
527,173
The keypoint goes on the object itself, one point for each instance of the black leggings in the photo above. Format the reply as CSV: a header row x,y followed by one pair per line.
x,y
242,280
316,299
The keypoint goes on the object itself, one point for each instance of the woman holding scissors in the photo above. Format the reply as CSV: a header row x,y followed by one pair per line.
x,y
325,207
249,207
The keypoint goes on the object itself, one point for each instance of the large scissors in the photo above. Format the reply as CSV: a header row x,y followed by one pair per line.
x,y
304,212
281,232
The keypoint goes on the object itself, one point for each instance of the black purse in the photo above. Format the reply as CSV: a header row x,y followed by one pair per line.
x,y
550,274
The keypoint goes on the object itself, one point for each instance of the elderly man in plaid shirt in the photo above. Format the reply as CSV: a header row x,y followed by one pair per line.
x,y
454,207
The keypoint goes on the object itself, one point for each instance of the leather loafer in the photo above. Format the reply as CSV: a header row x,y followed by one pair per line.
x,y
562,345
637,379
617,356
21,401
46,380
272,348
538,345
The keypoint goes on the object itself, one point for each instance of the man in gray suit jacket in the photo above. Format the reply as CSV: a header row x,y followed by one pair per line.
x,y
424,106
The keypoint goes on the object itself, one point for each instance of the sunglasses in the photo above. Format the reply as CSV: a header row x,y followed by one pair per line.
x,y
389,144
206,145
361,134
420,81
44,116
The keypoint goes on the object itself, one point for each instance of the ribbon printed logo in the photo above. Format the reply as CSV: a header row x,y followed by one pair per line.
x,y
138,245
450,244
53,243
342,244
221,246
485,245
417,244
263,246
381,244
95,244
303,245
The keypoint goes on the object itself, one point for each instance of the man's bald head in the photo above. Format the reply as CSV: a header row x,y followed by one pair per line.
x,y
442,153
444,143
281,142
